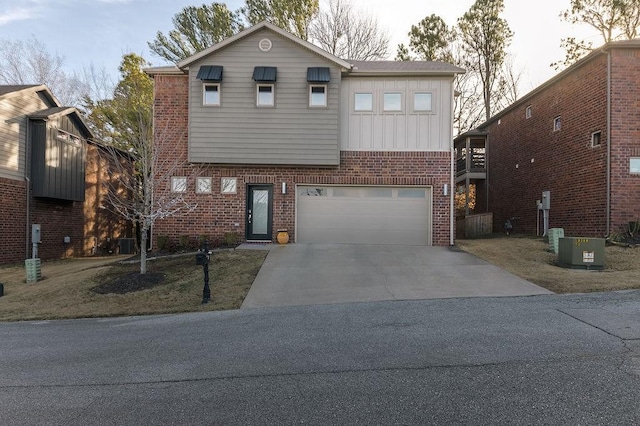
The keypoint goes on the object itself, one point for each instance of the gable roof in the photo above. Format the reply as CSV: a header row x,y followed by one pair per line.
x,y
251,30
11,90
50,113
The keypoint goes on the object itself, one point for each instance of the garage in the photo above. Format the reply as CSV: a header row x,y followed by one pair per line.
x,y
363,215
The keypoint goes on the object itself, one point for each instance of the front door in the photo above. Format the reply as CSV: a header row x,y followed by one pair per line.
x,y
259,216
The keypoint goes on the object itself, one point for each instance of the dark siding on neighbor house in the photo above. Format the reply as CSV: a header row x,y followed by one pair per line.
x,y
57,166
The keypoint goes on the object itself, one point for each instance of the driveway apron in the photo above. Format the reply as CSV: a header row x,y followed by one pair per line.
x,y
306,274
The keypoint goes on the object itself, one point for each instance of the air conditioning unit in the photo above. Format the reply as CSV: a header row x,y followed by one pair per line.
x,y
127,245
581,253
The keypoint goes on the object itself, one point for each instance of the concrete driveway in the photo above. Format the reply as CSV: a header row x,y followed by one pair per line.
x,y
306,274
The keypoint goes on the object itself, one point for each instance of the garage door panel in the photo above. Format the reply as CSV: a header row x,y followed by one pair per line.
x,y
358,215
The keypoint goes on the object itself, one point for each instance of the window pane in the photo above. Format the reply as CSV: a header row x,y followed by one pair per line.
x,y
265,95
422,102
178,184
363,102
211,95
634,165
411,193
380,192
306,191
392,102
318,96
229,185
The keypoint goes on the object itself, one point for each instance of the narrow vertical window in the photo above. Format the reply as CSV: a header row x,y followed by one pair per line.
x,y
317,96
211,96
527,112
265,95
596,139
557,124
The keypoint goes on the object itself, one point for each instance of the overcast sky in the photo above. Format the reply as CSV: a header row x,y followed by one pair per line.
x,y
99,32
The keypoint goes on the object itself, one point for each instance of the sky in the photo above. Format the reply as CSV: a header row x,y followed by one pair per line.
x,y
99,32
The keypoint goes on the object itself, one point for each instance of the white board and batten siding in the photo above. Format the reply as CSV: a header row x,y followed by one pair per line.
x,y
405,130
239,132
364,215
14,109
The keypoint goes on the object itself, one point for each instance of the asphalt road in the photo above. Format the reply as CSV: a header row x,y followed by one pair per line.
x,y
527,360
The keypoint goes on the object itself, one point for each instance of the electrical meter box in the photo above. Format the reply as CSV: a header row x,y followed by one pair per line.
x,y
581,253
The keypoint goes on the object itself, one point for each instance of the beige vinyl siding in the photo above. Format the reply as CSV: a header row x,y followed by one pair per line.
x,y
14,108
239,132
405,130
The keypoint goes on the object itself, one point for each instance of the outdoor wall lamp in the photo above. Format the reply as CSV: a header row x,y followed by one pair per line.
x,y
284,187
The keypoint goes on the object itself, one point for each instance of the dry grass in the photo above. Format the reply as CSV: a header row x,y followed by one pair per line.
x,y
66,288
529,258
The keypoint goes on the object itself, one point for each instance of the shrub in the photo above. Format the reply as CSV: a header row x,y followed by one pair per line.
x,y
163,242
230,239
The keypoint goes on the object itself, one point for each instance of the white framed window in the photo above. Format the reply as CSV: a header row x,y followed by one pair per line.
x,y
596,138
634,165
392,102
527,112
422,102
229,185
317,95
557,124
203,185
363,102
178,184
265,95
211,94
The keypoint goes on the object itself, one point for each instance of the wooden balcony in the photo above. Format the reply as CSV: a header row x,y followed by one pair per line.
x,y
471,159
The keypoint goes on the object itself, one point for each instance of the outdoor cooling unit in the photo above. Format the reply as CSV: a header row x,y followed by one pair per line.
x,y
581,253
127,245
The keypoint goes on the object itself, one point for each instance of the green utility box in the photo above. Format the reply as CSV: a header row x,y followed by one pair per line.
x,y
33,270
581,253
554,236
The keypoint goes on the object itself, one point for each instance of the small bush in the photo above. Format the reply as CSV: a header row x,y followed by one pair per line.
x,y
163,242
230,239
183,242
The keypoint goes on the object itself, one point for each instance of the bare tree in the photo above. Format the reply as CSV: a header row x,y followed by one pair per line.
x,y
30,63
141,189
348,33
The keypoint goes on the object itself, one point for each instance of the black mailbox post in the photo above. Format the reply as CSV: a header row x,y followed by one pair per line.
x,y
202,258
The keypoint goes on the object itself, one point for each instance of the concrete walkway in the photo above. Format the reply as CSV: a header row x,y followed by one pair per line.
x,y
305,274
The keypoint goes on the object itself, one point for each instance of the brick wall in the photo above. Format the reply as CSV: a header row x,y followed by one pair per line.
x,y
12,220
84,222
526,156
625,135
219,213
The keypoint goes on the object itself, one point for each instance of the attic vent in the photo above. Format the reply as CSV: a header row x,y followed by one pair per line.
x,y
265,45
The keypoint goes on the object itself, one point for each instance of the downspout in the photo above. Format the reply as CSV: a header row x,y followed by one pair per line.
x,y
608,213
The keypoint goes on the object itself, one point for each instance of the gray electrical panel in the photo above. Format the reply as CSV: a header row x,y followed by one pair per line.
x,y
546,200
36,238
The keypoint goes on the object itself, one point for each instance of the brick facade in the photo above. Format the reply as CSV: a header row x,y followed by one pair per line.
x,y
527,156
218,213
88,224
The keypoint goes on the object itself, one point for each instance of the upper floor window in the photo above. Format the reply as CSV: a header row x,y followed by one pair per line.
x,y
265,95
596,138
229,185
363,102
423,101
557,124
527,112
392,102
317,95
211,94
203,185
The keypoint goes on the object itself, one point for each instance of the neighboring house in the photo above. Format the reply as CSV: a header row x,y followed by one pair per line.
x,y
283,135
577,136
50,175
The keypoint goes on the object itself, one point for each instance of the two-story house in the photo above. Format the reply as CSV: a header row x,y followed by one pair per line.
x,y
51,175
578,137
278,134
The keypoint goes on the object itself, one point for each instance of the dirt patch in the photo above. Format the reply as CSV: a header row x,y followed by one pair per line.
x,y
530,258
130,282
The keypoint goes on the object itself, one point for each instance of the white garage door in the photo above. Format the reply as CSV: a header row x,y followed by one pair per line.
x,y
363,215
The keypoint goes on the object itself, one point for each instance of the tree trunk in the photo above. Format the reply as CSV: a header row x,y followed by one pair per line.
x,y
143,248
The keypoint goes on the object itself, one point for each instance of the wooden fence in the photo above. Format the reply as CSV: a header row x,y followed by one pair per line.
x,y
474,226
